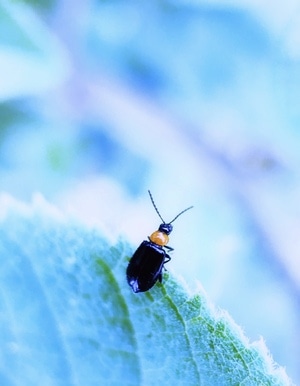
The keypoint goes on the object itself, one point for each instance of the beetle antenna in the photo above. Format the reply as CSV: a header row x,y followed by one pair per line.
x,y
190,207
156,207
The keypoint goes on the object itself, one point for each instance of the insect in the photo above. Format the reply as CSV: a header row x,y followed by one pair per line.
x,y
147,263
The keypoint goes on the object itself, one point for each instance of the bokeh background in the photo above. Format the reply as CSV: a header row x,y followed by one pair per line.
x,y
197,101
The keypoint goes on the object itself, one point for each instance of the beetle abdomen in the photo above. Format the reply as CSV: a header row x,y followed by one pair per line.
x,y
145,266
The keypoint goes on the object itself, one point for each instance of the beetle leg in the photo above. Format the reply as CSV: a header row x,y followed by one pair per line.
x,y
160,277
167,259
169,248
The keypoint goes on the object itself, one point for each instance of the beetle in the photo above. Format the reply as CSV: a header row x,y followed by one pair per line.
x,y
147,263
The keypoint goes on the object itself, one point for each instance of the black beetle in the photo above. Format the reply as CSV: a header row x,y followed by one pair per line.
x,y
146,265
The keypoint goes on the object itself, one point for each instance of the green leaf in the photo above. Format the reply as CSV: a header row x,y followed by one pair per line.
x,y
68,317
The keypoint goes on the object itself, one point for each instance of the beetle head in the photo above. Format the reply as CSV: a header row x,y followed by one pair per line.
x,y
166,228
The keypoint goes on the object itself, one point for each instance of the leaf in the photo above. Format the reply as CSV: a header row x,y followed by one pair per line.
x,y
68,316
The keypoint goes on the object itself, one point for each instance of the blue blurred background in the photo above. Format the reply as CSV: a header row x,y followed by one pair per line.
x,y
197,101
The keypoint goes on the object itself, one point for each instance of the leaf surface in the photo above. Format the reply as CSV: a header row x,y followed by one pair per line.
x,y
68,316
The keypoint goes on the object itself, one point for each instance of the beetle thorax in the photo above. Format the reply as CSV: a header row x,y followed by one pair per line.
x,y
159,238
